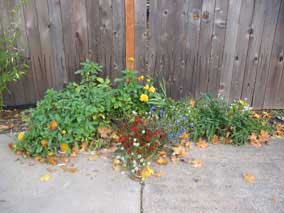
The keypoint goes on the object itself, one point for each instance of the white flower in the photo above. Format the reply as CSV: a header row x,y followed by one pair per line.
x,y
134,139
141,160
117,157
134,113
136,169
148,163
144,164
139,156
143,131
122,148
132,170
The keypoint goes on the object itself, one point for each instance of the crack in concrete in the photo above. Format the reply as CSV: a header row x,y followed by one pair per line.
x,y
142,185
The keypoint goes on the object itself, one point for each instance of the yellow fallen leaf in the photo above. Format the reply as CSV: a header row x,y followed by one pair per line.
x,y
162,161
227,140
249,178
202,144
93,157
45,178
254,141
196,163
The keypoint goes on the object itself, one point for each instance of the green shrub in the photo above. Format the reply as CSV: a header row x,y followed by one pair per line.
x,y
64,120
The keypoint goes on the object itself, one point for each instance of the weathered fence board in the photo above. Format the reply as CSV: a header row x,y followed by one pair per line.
x,y
230,47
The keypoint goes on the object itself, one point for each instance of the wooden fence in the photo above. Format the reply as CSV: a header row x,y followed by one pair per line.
x,y
231,47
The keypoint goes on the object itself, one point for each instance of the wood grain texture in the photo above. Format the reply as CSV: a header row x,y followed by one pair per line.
x,y
217,47
230,47
253,50
274,97
272,11
118,37
74,25
205,45
242,44
141,36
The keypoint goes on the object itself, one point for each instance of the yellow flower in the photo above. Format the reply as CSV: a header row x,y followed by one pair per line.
x,y
140,78
192,102
152,89
148,80
53,125
144,98
63,132
146,87
147,172
131,59
21,136
43,142
243,103
64,147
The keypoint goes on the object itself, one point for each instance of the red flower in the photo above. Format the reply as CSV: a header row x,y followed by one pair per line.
x,y
135,129
122,139
148,137
152,147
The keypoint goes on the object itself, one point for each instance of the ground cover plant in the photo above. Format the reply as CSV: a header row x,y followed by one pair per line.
x,y
141,123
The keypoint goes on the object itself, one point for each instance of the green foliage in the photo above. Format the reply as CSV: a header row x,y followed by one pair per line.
x,y
79,110
212,116
12,65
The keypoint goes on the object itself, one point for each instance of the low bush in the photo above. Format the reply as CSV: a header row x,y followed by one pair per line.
x,y
65,120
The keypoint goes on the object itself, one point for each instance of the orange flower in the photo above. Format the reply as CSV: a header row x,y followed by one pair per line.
x,y
43,143
53,125
64,147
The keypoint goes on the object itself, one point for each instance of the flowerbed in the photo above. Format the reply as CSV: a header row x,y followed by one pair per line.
x,y
141,122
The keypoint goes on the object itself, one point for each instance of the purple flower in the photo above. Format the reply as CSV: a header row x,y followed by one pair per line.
x,y
161,112
190,125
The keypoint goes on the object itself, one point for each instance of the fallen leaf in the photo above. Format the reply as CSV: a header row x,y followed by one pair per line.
x,y
51,170
51,160
116,165
104,132
11,146
196,163
158,174
69,169
179,151
162,153
254,141
264,136
45,178
93,157
227,140
266,115
249,178
192,102
173,158
162,161
215,139
202,144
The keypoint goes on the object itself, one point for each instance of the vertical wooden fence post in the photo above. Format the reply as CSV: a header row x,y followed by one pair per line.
x,y
130,34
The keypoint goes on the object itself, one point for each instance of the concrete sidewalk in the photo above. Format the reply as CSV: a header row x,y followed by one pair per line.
x,y
216,187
